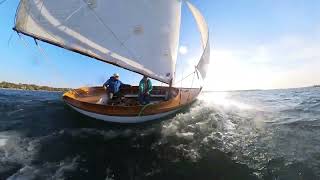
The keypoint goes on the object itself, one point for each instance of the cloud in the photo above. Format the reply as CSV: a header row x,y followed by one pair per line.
x,y
290,61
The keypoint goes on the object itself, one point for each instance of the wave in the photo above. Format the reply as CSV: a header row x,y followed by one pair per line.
x,y
248,133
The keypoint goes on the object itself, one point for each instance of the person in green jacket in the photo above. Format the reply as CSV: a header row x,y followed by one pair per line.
x,y
145,87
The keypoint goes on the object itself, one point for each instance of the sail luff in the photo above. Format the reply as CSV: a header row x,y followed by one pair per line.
x,y
145,39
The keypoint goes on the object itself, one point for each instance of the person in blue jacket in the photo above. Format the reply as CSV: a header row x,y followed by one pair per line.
x,y
113,85
145,88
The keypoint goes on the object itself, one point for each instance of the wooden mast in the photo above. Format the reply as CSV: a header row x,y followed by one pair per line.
x,y
170,89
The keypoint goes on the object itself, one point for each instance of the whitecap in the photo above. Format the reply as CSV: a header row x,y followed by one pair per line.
x,y
3,141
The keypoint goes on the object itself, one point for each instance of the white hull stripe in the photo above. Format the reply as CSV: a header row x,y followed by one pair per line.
x,y
124,119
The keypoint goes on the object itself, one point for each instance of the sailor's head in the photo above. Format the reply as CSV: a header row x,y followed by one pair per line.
x,y
145,77
116,75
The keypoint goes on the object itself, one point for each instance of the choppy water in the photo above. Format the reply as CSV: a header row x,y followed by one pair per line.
x,y
225,135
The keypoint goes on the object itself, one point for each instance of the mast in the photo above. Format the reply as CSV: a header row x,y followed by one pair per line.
x,y
170,89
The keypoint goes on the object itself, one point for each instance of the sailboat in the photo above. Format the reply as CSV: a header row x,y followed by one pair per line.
x,y
138,35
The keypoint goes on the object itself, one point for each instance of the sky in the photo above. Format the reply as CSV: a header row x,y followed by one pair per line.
x,y
256,44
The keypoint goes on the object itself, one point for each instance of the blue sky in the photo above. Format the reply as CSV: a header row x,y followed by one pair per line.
x,y
256,44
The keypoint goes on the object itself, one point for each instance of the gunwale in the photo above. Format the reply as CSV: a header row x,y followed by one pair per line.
x,y
80,98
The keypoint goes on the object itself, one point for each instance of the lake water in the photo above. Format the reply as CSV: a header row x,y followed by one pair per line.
x,y
273,134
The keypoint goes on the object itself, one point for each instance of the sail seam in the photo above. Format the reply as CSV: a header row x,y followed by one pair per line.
x,y
41,9
109,29
73,13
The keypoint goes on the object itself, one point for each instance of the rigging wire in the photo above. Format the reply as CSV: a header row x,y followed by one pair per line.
x,y
10,38
55,71
24,42
181,88
183,78
191,85
43,53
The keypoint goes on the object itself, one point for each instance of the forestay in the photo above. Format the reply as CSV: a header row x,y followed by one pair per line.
x,y
139,35
204,31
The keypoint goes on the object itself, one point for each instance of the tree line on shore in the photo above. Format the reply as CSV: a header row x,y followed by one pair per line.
x,y
8,85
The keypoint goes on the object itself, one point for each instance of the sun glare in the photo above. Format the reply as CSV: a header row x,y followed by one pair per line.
x,y
222,99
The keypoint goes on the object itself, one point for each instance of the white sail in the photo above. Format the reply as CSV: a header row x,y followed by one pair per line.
x,y
204,31
139,35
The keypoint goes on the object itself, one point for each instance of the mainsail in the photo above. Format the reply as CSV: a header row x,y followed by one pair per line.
x,y
204,31
138,35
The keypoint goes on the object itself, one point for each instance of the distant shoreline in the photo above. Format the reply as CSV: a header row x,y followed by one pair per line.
x,y
30,87
16,89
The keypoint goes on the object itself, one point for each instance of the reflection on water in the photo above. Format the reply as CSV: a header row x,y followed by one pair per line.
x,y
224,135
222,98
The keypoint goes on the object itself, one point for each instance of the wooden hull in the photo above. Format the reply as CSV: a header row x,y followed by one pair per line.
x,y
84,100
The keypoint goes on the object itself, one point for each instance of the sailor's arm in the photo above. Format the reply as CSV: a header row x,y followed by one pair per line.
x,y
149,87
141,87
105,85
124,85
